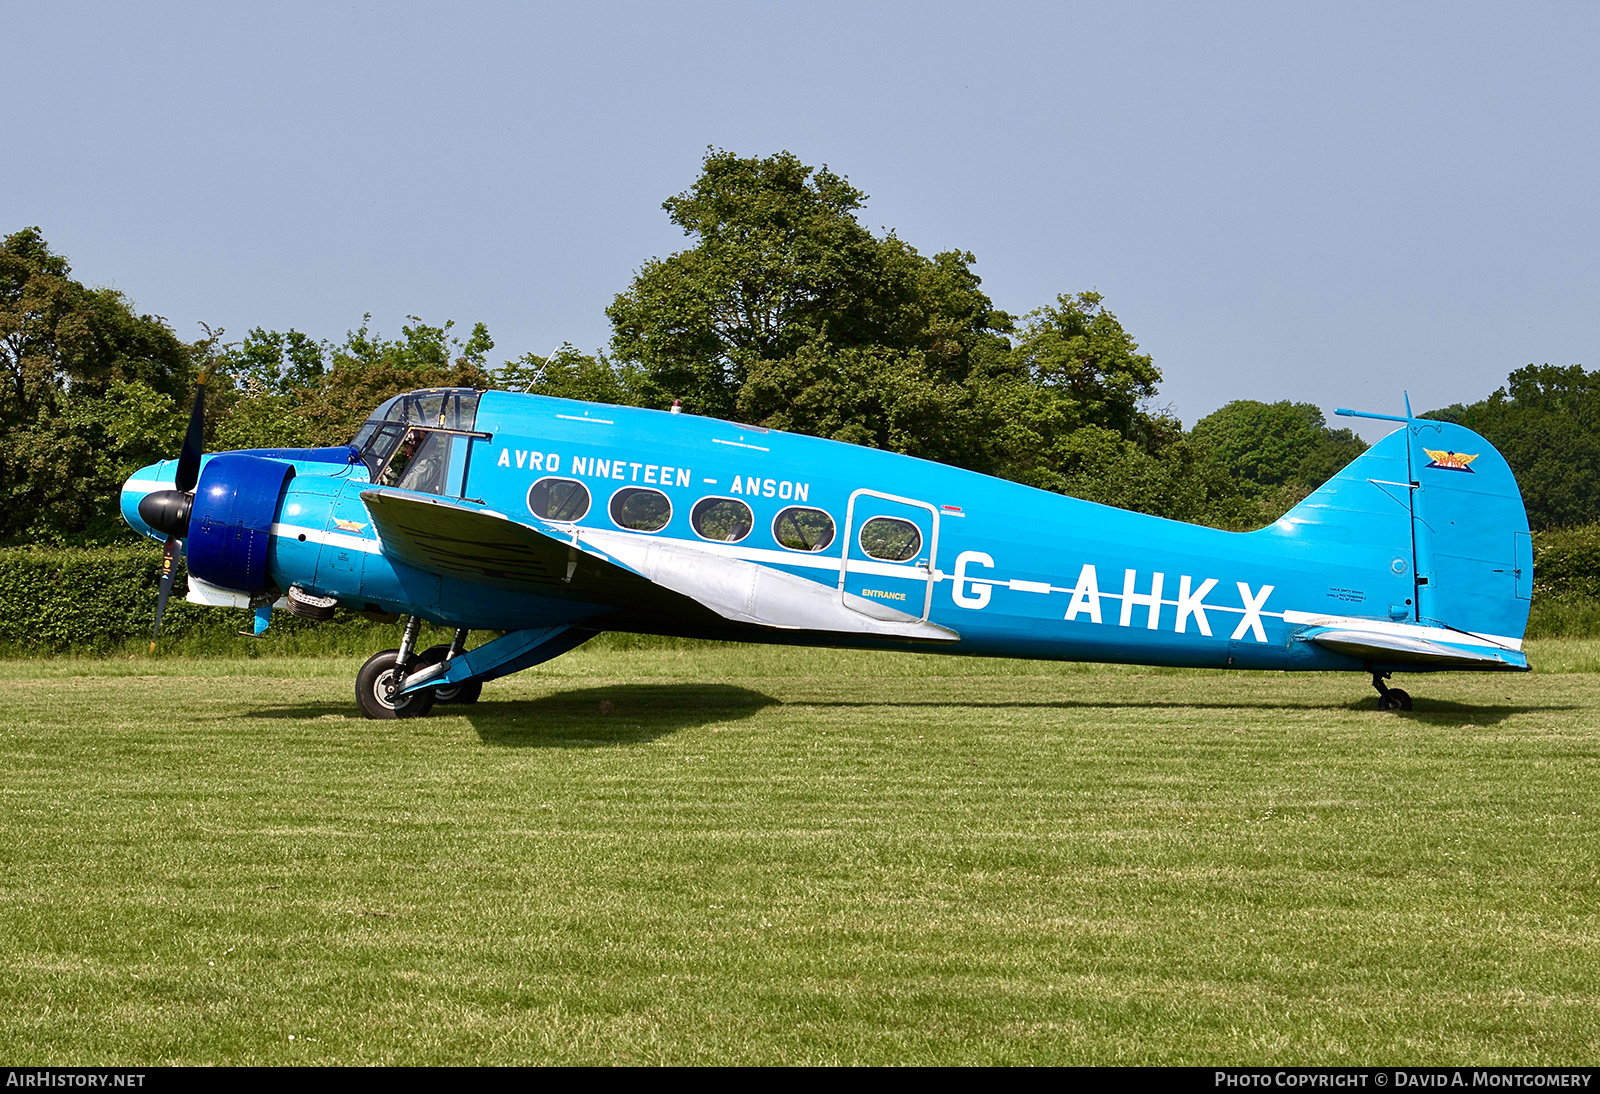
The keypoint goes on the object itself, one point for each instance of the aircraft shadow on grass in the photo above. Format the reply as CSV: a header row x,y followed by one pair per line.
x,y
1440,712
1435,712
618,714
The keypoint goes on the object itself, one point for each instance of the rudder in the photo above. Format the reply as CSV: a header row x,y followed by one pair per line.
x,y
1433,512
1474,552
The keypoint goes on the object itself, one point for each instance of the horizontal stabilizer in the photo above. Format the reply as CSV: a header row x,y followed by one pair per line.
x,y
1389,647
620,570
1379,642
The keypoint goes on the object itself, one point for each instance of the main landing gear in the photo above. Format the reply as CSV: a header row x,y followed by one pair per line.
x,y
1389,698
385,674
452,693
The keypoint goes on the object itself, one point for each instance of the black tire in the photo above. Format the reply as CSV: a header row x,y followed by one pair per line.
x,y
372,690
455,693
461,693
1394,699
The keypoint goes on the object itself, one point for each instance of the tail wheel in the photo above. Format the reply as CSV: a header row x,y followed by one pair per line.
x,y
1394,699
450,693
375,690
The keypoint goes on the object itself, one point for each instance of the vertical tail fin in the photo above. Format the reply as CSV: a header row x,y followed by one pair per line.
x,y
1433,512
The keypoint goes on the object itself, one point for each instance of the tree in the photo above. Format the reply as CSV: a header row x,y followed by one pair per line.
x,y
1276,453
780,263
787,312
871,395
1078,353
257,389
1176,480
366,369
1546,422
287,391
568,374
92,391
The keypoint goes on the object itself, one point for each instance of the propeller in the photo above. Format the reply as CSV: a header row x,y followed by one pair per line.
x,y
168,510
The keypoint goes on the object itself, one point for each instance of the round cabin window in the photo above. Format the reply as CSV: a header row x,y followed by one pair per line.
x,y
891,539
726,519
558,499
640,510
803,529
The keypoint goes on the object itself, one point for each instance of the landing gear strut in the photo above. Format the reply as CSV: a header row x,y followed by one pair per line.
x,y
385,673
451,693
1389,698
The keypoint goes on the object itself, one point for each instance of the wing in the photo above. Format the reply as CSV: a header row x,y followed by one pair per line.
x,y
453,538
479,545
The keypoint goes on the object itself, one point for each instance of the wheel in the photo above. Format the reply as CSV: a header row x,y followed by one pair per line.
x,y
461,693
455,693
1394,699
374,683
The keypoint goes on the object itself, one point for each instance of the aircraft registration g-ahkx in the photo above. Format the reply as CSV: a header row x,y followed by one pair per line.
x,y
553,520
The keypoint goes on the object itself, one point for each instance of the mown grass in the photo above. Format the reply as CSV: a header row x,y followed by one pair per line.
x,y
696,854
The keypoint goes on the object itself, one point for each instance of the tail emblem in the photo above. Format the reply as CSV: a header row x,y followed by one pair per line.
x,y
1451,461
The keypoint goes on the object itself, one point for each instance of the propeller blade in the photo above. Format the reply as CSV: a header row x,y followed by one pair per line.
x,y
168,571
193,440
168,510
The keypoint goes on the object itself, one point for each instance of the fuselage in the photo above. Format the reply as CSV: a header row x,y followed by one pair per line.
x,y
1012,570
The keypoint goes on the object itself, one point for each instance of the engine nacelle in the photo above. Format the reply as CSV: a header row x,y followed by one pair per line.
x,y
230,524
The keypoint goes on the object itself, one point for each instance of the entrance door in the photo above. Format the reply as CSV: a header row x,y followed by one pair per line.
x,y
891,544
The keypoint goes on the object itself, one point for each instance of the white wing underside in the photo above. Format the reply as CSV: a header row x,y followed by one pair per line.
x,y
749,593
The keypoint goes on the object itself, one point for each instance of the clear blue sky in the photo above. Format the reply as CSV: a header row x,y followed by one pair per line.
x,y
1318,202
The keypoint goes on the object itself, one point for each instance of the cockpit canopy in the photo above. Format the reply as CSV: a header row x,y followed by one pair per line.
x,y
408,441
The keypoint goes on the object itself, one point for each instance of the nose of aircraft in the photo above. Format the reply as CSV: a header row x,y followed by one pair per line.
x,y
140,485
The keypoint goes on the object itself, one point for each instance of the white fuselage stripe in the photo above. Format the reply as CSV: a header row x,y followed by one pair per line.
x,y
331,539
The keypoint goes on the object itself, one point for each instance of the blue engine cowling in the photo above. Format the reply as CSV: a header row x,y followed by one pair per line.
x,y
230,526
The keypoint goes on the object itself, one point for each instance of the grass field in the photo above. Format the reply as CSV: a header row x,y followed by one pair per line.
x,y
704,854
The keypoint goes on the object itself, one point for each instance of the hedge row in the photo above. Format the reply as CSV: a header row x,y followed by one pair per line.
x,y
1566,563
104,599
98,600
81,599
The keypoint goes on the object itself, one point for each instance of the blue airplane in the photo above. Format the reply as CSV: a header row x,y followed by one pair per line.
x,y
553,520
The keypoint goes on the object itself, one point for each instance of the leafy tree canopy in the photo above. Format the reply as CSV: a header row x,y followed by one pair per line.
x,y
91,391
1264,445
1077,352
779,263
1546,422
288,390
784,310
568,374
787,312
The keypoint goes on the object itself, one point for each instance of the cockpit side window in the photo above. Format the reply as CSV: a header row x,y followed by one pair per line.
x,y
422,462
454,409
378,444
